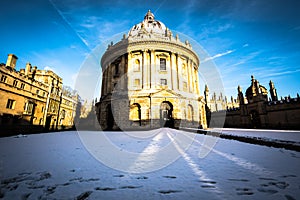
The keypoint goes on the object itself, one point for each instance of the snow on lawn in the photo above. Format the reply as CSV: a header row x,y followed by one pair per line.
x,y
283,135
158,164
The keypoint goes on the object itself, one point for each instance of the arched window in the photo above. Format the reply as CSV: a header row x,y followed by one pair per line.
x,y
163,66
63,114
29,108
183,69
137,65
135,112
190,113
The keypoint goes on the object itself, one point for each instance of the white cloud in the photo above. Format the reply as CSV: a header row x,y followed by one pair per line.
x,y
49,68
223,28
280,73
218,55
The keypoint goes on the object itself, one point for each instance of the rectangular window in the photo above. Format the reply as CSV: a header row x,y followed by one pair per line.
x,y
63,114
28,108
15,83
163,64
117,68
137,83
163,81
10,104
37,92
22,86
185,86
3,78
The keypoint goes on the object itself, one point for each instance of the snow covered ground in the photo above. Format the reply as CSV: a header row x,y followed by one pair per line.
x,y
283,135
157,164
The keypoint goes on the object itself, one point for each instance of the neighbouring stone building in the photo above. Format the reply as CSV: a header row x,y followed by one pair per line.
x,y
219,102
256,110
33,98
150,79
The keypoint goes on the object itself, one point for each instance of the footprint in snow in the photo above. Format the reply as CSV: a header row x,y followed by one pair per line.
x,y
119,175
172,177
130,187
169,191
269,191
105,188
244,191
84,195
238,180
142,177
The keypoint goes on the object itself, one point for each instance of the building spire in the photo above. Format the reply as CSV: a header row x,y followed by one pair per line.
x,y
149,16
206,88
206,94
240,95
273,91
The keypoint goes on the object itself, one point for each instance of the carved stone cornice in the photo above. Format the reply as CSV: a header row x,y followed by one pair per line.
x,y
126,46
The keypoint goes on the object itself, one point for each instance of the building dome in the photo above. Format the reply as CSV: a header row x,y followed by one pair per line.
x,y
256,91
148,25
150,79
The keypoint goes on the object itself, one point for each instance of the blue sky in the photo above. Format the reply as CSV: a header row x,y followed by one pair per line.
x,y
242,37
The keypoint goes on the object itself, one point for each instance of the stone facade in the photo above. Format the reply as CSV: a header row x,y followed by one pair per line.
x,y
220,102
257,111
150,79
33,97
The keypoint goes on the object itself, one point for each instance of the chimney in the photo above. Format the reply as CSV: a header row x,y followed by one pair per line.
x,y
11,61
28,69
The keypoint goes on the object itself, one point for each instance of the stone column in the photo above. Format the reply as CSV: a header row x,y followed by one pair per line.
x,y
190,80
103,83
106,79
193,79
177,72
122,72
129,70
187,74
109,81
173,70
152,68
197,81
145,70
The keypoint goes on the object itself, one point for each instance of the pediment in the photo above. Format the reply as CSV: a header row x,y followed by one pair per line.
x,y
166,93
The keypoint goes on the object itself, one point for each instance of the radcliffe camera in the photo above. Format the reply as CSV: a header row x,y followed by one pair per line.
x,y
149,100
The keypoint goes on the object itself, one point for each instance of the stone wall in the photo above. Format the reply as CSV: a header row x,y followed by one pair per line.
x,y
283,114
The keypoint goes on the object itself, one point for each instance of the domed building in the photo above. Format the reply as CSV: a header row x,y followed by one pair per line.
x,y
256,92
150,80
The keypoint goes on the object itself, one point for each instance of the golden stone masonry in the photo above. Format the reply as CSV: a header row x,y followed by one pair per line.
x,y
33,99
150,79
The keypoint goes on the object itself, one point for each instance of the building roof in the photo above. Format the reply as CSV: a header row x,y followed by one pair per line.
x,y
255,89
148,25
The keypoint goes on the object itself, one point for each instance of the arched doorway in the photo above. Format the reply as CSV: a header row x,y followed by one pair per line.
x,y
135,113
48,122
166,111
255,120
190,113
109,118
